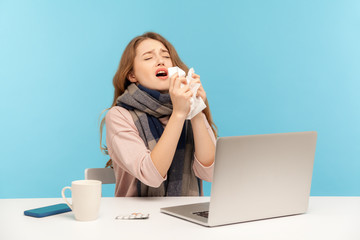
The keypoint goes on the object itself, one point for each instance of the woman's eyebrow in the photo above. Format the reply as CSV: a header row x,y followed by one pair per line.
x,y
151,51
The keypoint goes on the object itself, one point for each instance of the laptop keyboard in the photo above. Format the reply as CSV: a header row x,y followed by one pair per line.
x,y
204,214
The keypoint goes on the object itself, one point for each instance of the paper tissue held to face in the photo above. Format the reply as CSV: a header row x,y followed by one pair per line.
x,y
197,103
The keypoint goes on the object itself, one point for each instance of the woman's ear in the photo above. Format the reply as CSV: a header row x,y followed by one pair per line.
x,y
131,77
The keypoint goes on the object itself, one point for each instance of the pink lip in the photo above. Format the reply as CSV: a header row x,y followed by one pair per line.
x,y
162,77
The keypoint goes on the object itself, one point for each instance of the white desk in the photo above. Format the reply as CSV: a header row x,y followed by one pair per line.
x,y
327,218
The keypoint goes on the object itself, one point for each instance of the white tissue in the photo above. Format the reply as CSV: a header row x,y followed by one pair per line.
x,y
173,70
197,103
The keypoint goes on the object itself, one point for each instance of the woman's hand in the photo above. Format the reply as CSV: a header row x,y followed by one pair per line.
x,y
180,97
201,92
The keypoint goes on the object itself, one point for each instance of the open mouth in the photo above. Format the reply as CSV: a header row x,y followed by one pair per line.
x,y
162,73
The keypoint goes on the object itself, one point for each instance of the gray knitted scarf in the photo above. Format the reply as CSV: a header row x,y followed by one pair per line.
x,y
146,106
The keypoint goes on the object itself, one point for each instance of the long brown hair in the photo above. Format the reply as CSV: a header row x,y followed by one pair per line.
x,y
121,81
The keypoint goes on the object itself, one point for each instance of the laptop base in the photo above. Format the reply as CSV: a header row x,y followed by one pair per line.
x,y
188,212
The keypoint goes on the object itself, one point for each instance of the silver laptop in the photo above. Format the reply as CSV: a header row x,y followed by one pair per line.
x,y
256,177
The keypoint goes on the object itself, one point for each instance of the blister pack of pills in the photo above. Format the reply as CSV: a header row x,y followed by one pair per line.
x,y
133,216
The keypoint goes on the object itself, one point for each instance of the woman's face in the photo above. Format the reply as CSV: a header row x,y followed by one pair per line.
x,y
150,65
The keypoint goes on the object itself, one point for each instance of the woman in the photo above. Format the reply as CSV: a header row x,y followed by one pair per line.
x,y
154,150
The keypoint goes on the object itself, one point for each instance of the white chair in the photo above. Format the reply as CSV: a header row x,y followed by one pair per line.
x,y
105,175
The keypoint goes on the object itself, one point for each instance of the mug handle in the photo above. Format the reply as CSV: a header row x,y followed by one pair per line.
x,y
63,195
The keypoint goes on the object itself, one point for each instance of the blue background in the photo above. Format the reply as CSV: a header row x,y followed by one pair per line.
x,y
267,67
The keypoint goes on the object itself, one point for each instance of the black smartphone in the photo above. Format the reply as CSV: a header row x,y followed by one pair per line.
x,y
48,211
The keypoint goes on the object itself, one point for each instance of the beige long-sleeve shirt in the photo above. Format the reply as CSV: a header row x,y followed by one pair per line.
x,y
131,159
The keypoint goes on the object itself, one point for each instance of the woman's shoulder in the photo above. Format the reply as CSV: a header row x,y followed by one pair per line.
x,y
117,111
118,117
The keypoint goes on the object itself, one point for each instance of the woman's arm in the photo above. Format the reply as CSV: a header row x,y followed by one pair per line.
x,y
164,150
127,150
204,145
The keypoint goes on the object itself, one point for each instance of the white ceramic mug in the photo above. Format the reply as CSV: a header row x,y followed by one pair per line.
x,y
86,196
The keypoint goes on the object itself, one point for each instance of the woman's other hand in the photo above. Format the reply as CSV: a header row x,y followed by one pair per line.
x,y
201,92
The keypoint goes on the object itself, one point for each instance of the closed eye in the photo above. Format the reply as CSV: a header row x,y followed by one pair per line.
x,y
150,58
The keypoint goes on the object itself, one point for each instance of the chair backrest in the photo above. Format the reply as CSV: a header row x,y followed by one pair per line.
x,y
105,175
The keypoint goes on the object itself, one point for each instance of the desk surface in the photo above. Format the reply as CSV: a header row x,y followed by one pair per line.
x,y
327,218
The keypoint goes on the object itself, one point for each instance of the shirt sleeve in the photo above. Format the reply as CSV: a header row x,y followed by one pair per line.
x,y
127,149
201,171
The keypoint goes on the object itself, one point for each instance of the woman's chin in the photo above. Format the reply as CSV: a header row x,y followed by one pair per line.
x,y
163,87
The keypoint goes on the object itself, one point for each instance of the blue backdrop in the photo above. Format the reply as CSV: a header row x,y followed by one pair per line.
x,y
267,67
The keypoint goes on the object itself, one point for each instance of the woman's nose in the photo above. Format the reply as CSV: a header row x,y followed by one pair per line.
x,y
159,61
